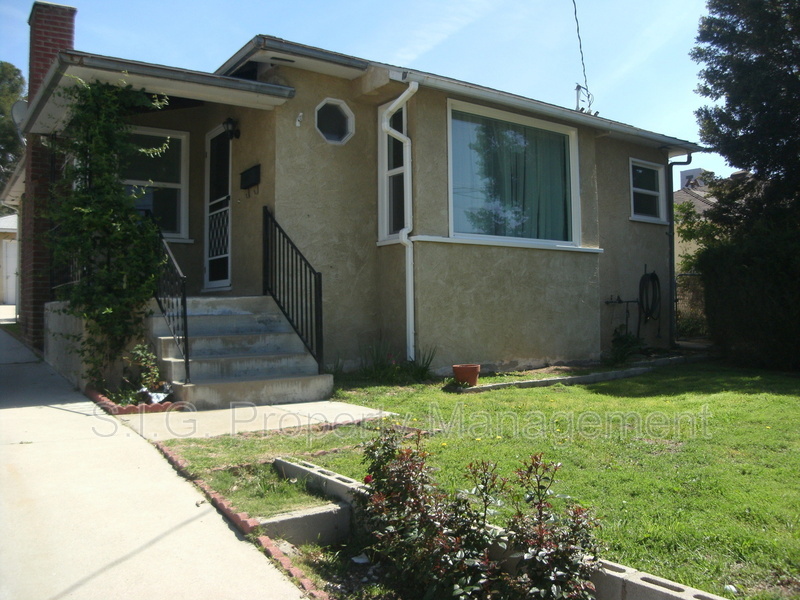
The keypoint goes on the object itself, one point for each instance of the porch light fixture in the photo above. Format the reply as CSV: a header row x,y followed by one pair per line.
x,y
231,128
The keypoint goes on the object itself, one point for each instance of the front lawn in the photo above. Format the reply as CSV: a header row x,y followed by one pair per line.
x,y
692,470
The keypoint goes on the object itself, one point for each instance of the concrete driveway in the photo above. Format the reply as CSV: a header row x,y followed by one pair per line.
x,y
89,511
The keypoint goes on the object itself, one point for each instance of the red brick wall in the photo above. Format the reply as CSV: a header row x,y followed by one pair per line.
x,y
52,29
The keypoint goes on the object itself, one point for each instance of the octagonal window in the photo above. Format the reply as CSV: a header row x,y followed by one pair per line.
x,y
335,121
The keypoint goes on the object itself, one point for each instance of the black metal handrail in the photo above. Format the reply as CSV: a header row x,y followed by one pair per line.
x,y
171,298
294,284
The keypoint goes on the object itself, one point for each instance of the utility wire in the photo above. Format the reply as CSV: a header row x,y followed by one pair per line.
x,y
585,86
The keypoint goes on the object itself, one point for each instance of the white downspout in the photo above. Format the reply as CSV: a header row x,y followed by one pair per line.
x,y
409,212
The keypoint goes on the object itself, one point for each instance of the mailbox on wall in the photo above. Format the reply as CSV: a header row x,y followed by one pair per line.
x,y
250,177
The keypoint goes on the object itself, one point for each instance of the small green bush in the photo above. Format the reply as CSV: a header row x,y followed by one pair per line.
x,y
381,363
440,545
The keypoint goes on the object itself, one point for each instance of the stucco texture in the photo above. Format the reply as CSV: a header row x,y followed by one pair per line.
x,y
501,306
326,200
629,246
506,307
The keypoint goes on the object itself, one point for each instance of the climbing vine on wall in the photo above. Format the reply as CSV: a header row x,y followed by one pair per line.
x,y
111,250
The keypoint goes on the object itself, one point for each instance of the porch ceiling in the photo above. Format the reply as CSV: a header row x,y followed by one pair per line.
x,y
48,111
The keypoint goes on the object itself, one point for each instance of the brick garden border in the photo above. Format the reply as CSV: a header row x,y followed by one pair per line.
x,y
113,408
246,525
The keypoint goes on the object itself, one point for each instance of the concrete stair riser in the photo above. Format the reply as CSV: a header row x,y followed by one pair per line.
x,y
244,365
213,324
241,350
215,345
210,395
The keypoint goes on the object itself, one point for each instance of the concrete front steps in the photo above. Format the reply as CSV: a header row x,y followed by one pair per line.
x,y
241,350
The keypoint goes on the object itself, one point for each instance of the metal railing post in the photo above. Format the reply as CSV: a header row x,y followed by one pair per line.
x,y
294,284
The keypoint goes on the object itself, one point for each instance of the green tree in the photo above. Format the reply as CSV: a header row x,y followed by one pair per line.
x,y
749,241
751,52
12,88
98,230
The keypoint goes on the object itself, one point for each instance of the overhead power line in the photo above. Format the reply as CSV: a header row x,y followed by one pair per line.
x,y
585,86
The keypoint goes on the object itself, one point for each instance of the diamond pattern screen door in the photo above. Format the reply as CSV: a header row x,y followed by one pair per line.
x,y
218,209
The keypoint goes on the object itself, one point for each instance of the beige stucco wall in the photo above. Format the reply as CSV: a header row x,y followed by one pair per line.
x,y
500,306
506,308
629,246
256,145
326,200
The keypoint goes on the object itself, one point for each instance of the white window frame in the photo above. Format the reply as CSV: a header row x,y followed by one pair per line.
x,y
183,186
385,174
351,120
575,201
661,195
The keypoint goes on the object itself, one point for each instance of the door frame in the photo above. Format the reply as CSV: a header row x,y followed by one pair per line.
x,y
221,284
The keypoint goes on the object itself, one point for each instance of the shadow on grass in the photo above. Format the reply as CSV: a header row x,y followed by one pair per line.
x,y
712,377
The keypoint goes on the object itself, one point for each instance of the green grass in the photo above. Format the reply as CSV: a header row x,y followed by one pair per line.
x,y
259,491
692,470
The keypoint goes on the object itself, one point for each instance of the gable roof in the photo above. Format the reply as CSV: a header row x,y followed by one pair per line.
x,y
698,197
276,51
233,84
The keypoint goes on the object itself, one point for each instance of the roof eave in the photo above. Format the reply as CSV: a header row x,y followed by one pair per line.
x,y
47,112
15,186
672,146
268,49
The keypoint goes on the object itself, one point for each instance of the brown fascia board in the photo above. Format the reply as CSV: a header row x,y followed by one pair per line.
x,y
157,78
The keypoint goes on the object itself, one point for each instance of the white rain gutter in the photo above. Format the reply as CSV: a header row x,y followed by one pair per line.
x,y
409,212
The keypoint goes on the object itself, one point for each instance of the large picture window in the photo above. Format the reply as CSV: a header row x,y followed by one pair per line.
x,y
160,179
512,176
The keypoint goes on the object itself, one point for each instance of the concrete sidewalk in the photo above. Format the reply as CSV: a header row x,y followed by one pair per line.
x,y
91,511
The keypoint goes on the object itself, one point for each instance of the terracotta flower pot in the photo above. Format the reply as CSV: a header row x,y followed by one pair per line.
x,y
467,374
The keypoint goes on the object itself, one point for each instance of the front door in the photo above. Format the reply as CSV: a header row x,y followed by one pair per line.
x,y
218,210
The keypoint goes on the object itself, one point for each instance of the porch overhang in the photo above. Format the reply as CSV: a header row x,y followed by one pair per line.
x,y
15,186
47,112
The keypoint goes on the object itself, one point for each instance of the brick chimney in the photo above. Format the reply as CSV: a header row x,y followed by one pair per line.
x,y
52,29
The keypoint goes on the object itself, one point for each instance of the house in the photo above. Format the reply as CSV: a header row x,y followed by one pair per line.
x,y
8,259
493,228
694,190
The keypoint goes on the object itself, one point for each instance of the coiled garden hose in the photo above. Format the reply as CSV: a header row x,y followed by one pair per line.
x,y
649,300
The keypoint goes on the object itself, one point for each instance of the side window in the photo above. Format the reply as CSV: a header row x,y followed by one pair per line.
x,y
159,178
648,200
391,177
335,121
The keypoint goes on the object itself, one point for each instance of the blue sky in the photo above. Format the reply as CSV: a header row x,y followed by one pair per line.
x,y
636,51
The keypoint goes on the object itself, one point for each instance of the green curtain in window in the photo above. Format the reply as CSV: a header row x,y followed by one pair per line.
x,y
510,180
